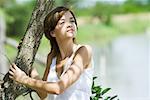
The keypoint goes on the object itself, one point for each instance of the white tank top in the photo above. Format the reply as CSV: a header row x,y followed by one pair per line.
x,y
80,90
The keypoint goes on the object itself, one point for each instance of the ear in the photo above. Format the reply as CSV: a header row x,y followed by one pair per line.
x,y
52,33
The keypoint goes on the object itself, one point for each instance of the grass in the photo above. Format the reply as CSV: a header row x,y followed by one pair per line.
x,y
96,33
10,52
102,34
133,26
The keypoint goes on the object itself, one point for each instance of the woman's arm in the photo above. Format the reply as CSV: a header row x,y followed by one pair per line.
x,y
81,60
39,85
34,74
43,94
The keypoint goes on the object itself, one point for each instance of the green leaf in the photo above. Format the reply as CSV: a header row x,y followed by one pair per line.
x,y
113,97
98,93
107,98
94,78
91,98
95,98
96,89
93,84
105,91
98,96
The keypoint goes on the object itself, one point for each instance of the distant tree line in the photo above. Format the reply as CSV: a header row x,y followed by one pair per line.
x,y
104,10
17,15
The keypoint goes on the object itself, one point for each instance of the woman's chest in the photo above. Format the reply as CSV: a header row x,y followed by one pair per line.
x,y
60,66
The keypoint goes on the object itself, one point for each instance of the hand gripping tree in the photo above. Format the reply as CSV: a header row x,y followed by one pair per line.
x,y
10,90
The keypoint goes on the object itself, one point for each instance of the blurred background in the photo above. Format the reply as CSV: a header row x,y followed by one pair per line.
x,y
117,30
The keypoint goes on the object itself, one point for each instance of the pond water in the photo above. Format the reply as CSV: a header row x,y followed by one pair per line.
x,y
124,66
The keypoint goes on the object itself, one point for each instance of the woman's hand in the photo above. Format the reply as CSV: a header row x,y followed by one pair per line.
x,y
17,74
34,74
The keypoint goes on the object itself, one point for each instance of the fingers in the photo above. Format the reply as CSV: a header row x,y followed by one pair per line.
x,y
11,74
11,77
12,71
12,68
34,73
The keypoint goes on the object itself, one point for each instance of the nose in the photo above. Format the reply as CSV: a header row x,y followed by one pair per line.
x,y
69,24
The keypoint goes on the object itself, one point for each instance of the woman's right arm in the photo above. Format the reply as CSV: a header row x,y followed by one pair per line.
x,y
34,74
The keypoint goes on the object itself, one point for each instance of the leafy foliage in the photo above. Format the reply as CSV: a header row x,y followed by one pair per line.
x,y
105,10
99,93
18,17
68,3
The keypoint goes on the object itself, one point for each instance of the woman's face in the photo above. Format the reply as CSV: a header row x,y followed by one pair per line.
x,y
66,27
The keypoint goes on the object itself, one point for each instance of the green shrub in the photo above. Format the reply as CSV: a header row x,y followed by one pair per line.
x,y
99,93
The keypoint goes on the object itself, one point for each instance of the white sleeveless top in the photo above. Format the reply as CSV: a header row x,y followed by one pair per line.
x,y
80,90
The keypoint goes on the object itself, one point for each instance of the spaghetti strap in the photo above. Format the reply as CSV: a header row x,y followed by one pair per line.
x,y
70,60
74,51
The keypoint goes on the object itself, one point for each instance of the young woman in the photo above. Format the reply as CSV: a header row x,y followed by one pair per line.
x,y
68,75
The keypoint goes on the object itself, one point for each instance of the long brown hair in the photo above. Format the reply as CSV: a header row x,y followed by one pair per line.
x,y
50,23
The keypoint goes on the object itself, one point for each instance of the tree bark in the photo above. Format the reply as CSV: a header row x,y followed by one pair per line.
x,y
10,90
13,43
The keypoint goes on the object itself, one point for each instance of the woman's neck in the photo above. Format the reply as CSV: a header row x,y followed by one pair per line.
x,y
66,48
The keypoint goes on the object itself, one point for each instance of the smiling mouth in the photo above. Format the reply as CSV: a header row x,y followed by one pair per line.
x,y
70,30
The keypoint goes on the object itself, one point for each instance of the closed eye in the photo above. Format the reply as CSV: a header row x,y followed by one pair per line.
x,y
72,21
62,23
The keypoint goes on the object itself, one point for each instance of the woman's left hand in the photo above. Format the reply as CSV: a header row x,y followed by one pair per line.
x,y
17,74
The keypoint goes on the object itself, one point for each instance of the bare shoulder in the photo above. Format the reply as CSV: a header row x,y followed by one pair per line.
x,y
85,51
89,49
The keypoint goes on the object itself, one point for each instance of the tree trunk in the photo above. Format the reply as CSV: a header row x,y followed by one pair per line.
x,y
10,90
13,43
